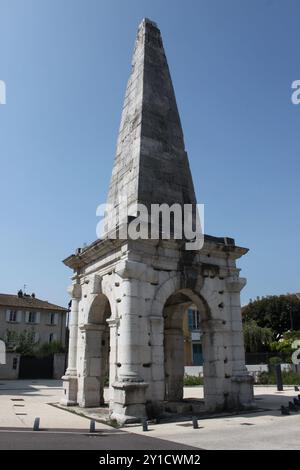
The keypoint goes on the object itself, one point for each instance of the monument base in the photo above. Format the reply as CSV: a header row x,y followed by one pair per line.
x,y
70,390
242,391
129,402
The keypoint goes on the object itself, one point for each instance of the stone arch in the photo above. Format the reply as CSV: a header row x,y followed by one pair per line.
x,y
167,290
98,309
164,291
173,312
95,336
174,285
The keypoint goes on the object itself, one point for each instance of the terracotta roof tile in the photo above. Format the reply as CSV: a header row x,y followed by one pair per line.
x,y
9,300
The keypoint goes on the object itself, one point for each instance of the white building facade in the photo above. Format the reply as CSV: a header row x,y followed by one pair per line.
x,y
19,313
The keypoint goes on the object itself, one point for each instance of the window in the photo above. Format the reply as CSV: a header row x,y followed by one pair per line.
x,y
32,317
53,319
13,315
197,354
194,319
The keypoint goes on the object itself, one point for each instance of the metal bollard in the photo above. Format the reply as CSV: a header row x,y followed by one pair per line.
x,y
195,422
92,425
145,424
36,424
278,377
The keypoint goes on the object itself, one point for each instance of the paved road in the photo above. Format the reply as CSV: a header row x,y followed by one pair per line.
x,y
44,440
22,401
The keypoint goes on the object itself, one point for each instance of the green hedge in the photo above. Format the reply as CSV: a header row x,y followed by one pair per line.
x,y
288,378
190,380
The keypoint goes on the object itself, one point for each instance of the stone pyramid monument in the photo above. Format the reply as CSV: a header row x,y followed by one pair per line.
x,y
129,296
151,164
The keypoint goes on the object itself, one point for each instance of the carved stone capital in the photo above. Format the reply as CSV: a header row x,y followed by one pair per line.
x,y
75,291
91,327
113,322
235,283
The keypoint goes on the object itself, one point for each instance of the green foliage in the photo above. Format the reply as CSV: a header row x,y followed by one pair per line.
x,y
284,348
264,378
279,313
291,335
47,349
106,381
24,343
256,338
21,343
273,361
190,380
288,378
284,345
11,340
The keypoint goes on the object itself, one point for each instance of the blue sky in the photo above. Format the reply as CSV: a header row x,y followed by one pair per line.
x,y
66,64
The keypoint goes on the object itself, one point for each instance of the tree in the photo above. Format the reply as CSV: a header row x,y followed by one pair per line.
x,y
47,349
257,339
284,345
23,343
279,313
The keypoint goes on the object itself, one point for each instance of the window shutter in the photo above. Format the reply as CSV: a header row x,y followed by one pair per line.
x,y
198,320
19,316
191,317
36,337
56,319
27,317
54,338
37,317
7,315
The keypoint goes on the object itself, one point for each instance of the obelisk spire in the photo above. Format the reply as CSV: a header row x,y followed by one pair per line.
x,y
151,165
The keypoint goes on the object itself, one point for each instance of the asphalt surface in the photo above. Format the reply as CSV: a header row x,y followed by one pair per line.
x,y
60,440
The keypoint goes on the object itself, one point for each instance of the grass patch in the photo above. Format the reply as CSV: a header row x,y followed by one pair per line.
x,y
191,380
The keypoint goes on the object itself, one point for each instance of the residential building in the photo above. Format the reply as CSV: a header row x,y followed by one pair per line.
x,y
25,312
192,337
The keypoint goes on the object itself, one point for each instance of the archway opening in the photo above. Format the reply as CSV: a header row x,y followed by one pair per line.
x,y
185,320
99,345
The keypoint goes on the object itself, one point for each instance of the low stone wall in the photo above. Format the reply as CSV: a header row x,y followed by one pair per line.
x,y
10,370
59,366
195,371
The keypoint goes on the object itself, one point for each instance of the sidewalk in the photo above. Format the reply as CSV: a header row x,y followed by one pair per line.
x,y
265,429
21,401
